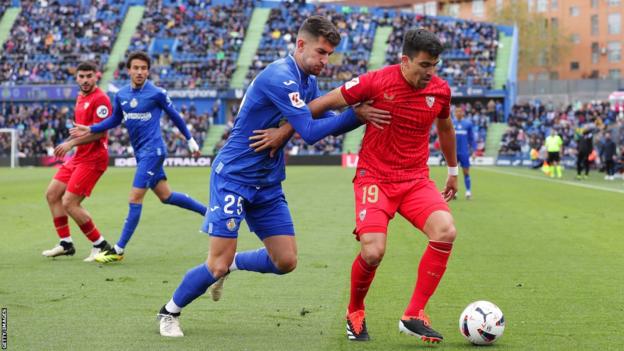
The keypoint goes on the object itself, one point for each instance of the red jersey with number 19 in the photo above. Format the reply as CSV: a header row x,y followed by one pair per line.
x,y
400,151
91,109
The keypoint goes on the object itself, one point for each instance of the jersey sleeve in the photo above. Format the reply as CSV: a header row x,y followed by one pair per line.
x,y
167,105
102,108
112,122
290,104
358,89
326,114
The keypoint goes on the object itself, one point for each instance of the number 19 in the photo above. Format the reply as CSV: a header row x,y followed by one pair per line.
x,y
370,194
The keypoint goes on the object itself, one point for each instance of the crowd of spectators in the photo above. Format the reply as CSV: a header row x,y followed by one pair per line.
x,y
198,43
530,123
469,59
41,127
49,38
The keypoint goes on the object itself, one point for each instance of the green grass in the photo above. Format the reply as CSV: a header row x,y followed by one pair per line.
x,y
547,252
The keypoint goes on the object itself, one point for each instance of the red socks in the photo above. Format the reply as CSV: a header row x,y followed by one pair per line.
x,y
430,271
62,227
90,231
362,275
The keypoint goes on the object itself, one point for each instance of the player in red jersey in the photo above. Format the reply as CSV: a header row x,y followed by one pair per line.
x,y
392,174
77,177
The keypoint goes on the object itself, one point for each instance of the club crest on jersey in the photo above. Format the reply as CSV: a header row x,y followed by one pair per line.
x,y
353,82
102,111
134,103
362,214
295,100
86,105
430,101
231,224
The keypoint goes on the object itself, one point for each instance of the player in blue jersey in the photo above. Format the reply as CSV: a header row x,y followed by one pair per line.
x,y
466,144
140,104
246,184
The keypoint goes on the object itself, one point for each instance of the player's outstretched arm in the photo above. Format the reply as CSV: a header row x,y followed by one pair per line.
x,y
174,115
448,145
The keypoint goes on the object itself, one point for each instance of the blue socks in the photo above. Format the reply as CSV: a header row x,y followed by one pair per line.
x,y
134,214
256,261
186,202
195,283
467,182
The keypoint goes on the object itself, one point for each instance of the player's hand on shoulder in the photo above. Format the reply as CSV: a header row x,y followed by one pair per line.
x,y
365,112
79,130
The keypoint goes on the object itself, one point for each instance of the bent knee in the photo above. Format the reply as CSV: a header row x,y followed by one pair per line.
x,y
68,203
446,233
372,255
218,270
286,264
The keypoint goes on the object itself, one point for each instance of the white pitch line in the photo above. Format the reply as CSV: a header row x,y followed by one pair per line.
x,y
557,181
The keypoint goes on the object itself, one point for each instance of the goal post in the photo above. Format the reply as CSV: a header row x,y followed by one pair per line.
x,y
13,135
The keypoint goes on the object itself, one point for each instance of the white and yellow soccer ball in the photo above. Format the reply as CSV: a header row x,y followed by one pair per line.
x,y
482,323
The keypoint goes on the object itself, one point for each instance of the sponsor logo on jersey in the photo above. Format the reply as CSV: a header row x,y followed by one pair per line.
x,y
231,224
134,103
143,116
212,209
86,105
124,102
295,100
353,82
102,111
290,82
430,101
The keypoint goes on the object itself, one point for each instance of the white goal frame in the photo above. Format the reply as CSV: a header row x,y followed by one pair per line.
x,y
13,133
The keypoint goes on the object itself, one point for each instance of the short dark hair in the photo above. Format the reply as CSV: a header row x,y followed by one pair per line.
x,y
139,55
87,66
318,26
420,39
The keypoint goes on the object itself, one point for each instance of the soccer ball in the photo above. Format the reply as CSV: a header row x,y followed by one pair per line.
x,y
482,323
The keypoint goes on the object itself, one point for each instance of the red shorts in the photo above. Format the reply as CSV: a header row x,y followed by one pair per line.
x,y
79,177
376,203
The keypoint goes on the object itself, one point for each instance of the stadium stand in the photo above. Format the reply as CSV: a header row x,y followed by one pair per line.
x,y
195,44
49,38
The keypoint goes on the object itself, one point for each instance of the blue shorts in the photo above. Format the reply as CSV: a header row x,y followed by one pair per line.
x,y
149,172
264,208
464,160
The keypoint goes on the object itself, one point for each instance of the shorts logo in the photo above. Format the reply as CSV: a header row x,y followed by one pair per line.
x,y
231,224
362,214
353,82
295,100
430,101
134,103
102,111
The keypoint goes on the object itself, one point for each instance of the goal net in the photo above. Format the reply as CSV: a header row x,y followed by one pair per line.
x,y
8,145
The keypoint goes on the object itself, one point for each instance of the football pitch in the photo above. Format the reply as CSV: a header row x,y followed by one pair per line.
x,y
549,253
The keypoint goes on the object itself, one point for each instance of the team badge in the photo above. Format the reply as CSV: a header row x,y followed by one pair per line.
x,y
430,100
86,105
362,215
134,103
295,100
353,82
231,224
102,111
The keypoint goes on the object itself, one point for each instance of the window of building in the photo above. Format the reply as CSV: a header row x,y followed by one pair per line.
x,y
614,51
554,23
574,66
478,8
595,53
419,9
614,23
576,39
499,5
614,2
575,11
594,25
531,5
554,4
554,75
594,4
453,10
614,73
431,8
542,5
